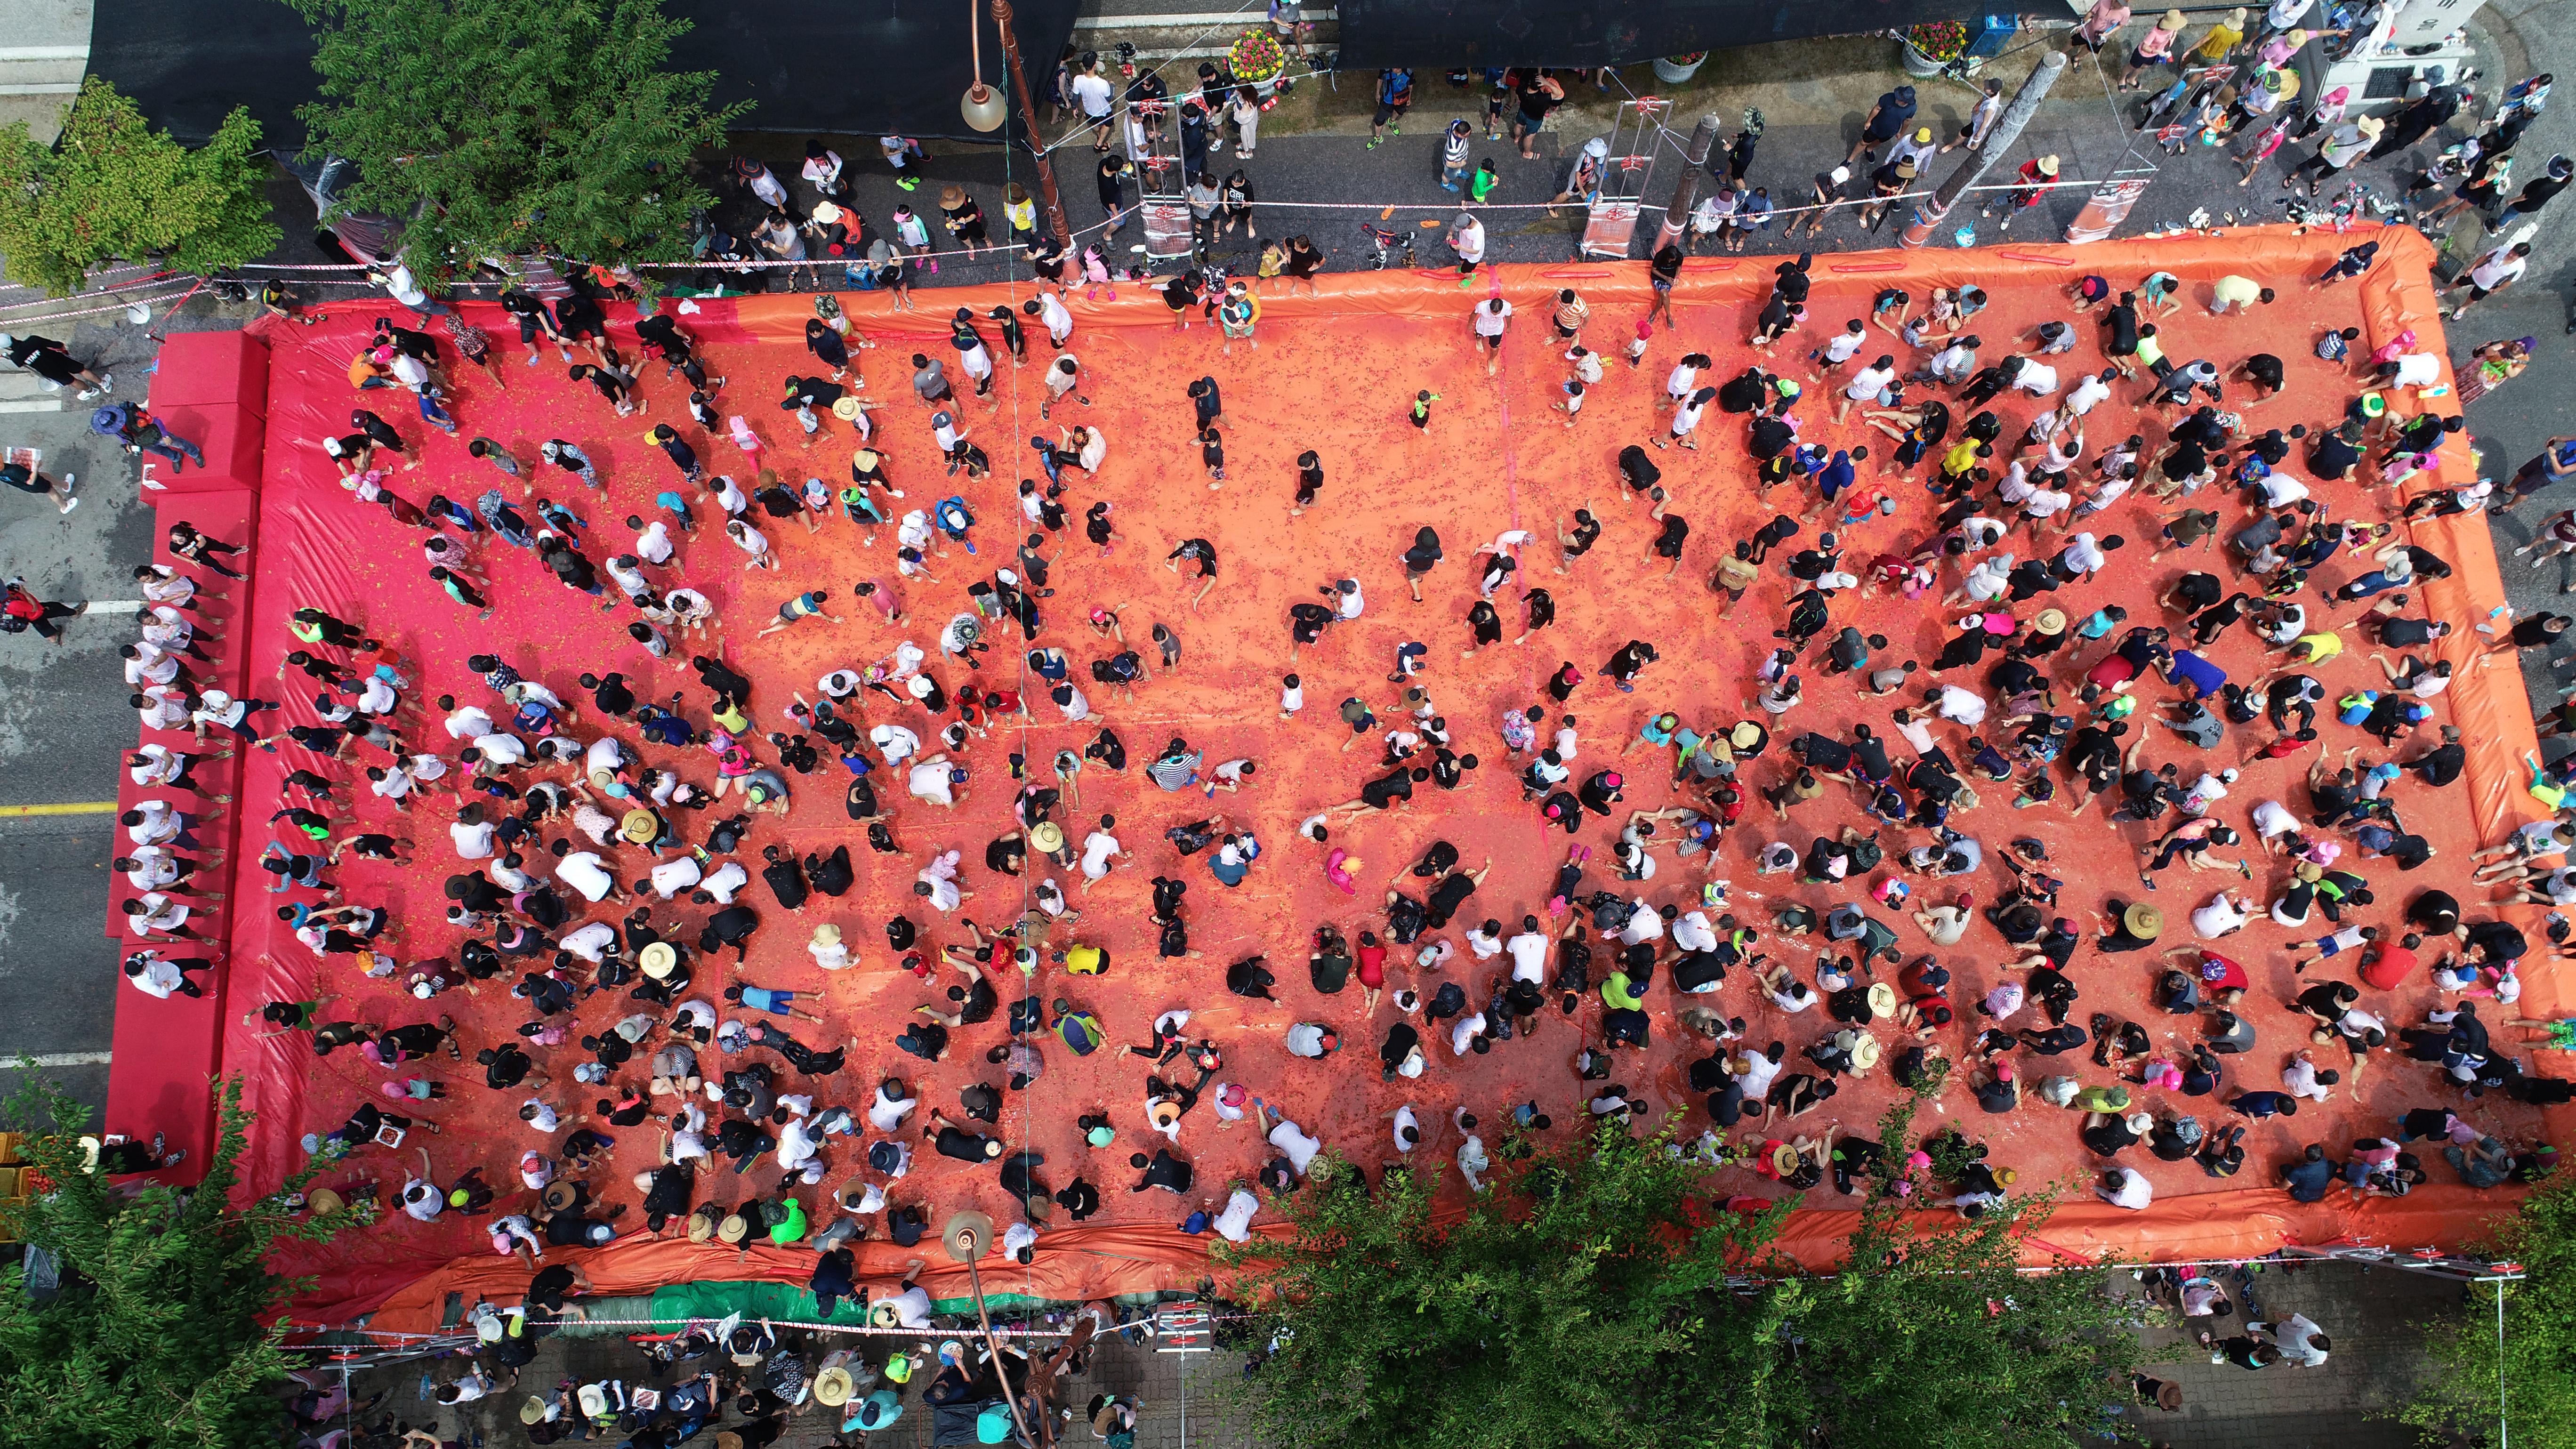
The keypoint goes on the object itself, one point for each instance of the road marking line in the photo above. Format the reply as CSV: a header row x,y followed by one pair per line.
x,y
62,1059
116,606
31,405
68,807
44,52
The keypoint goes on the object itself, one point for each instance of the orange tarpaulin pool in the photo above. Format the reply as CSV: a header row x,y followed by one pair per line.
x,y
1334,372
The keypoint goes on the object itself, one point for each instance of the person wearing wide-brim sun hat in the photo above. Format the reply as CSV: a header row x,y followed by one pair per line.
x,y
827,949
2037,177
963,218
2221,38
2153,50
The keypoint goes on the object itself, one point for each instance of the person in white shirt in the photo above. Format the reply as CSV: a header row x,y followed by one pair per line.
x,y
1472,1160
2090,392
930,779
1866,385
1093,94
724,881
501,748
1490,318
827,948
796,1151
2301,1342
1406,1128
2036,378
895,742
1097,849
1645,923
2084,555
1529,950
591,942
1683,380
2045,503
472,834
2218,918
157,975
148,663
1686,419
673,876
937,883
2303,1078
1692,932
469,723
1759,1069
1964,706
1463,1034
1291,1140
890,1106
2206,791
162,710
585,872
2498,268
2125,1187
1989,580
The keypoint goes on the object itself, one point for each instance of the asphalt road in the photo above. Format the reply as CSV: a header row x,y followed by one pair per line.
x,y
64,724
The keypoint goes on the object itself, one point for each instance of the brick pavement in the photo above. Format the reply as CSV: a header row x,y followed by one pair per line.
x,y
2373,1317
1173,1389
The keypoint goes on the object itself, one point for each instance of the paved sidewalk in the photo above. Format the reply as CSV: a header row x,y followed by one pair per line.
x,y
1175,1390
2374,1316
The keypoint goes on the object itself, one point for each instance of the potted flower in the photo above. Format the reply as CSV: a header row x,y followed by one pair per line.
x,y
1257,60
1672,70
1932,45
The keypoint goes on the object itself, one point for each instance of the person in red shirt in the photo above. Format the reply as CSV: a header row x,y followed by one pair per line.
x,y
2385,967
1371,957
2223,980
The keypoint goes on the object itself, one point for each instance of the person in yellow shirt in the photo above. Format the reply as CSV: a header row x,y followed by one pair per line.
x,y
2223,37
2316,648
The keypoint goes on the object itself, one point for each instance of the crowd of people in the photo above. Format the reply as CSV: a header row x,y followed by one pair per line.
x,y
592,828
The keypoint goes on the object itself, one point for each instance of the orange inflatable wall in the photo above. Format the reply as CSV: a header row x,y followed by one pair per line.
x,y
1081,1262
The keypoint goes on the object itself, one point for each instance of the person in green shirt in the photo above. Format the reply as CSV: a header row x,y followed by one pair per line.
x,y
1422,402
1482,184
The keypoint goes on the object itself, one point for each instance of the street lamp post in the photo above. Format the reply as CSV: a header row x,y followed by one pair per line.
x,y
1029,121
1928,214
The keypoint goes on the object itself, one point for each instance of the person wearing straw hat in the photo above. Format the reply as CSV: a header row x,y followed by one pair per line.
x,y
2037,178
2153,50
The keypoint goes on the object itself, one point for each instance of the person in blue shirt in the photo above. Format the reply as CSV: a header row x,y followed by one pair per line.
x,y
1394,95
2309,1178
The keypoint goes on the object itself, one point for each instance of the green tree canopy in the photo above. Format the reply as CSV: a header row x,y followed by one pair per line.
x,y
1596,1298
113,189
492,128
154,1336
2531,1373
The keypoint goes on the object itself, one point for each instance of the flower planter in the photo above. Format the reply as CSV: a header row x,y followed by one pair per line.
x,y
1916,63
1674,69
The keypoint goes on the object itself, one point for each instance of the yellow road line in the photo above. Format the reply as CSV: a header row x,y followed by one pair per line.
x,y
69,807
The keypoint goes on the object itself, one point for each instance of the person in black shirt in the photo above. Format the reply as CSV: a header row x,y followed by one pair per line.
x,y
731,926
1452,892
1172,1174
2334,455
785,876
